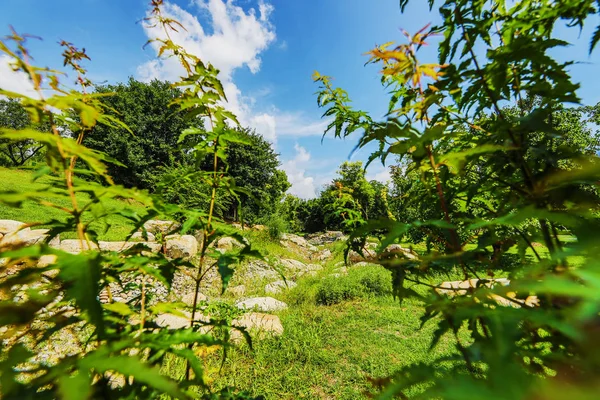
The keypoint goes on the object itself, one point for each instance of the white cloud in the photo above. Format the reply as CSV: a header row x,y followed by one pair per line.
x,y
303,186
236,40
298,125
15,81
379,173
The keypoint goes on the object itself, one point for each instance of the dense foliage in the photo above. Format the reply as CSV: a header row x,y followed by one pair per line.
x,y
15,153
120,345
485,183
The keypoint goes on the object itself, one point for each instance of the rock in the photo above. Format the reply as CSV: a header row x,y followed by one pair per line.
x,y
55,242
293,265
139,237
9,226
237,291
258,269
257,323
297,240
172,321
115,246
73,246
188,298
22,238
228,243
279,286
370,254
181,246
46,260
259,227
323,255
155,226
327,237
265,304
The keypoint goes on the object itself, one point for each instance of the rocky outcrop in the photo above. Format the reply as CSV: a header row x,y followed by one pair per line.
x,y
181,246
258,324
264,304
23,237
461,288
9,226
279,286
163,228
320,239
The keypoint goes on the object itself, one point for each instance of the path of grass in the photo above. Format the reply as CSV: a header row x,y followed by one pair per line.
x,y
116,227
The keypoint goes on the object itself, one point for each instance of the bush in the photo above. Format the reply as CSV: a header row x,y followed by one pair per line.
x,y
373,280
360,282
276,226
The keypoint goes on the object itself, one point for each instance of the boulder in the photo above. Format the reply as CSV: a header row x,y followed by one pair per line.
x,y
115,246
188,298
155,226
257,324
326,237
279,286
139,237
237,291
264,304
228,243
9,225
181,246
293,265
297,240
22,238
46,260
323,255
258,269
172,321
73,246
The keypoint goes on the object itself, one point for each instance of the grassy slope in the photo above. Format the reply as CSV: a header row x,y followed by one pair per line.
x,y
30,212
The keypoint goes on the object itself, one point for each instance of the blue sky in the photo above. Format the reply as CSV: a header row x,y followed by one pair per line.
x,y
267,51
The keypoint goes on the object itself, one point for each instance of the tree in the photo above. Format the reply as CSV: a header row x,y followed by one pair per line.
x,y
14,116
148,110
496,182
254,167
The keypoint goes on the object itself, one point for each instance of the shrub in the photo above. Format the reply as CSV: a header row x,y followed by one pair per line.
x,y
276,226
373,279
360,282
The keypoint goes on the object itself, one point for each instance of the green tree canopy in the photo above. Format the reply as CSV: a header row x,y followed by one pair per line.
x,y
147,109
14,116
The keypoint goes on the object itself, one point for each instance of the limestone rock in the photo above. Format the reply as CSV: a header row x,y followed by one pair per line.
x,y
237,291
188,298
139,237
297,240
258,269
181,246
115,246
73,246
279,286
22,238
9,225
172,321
327,237
155,226
323,255
228,243
258,323
265,304
293,265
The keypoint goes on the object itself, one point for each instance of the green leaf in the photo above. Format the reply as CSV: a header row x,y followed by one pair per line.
x,y
102,361
75,387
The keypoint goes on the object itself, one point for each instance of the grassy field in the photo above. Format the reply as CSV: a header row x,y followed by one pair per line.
x,y
115,228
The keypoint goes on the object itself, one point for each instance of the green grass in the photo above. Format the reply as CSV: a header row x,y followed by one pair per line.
x,y
115,227
331,351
